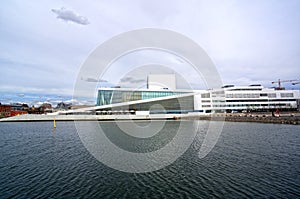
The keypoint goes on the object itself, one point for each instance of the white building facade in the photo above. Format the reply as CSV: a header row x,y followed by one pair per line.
x,y
246,98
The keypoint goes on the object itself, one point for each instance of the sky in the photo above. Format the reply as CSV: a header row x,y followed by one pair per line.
x,y
43,44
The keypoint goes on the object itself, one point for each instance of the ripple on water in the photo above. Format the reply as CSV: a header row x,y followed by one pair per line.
x,y
250,160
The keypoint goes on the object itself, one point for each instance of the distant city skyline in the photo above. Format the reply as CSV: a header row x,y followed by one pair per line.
x,y
44,43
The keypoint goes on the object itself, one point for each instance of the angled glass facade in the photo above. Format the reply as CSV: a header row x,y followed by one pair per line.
x,y
106,97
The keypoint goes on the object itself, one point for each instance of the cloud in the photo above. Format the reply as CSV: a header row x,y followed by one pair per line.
x,y
91,79
132,80
126,79
69,15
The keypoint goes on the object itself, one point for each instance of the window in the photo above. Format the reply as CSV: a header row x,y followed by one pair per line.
x,y
205,95
205,106
264,95
272,95
286,95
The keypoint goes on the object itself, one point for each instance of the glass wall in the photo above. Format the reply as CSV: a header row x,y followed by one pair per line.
x,y
106,97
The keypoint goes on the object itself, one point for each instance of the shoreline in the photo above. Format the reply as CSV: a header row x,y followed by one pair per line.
x,y
258,119
285,118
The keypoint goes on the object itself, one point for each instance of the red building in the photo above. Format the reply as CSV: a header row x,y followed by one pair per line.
x,y
17,112
10,111
5,111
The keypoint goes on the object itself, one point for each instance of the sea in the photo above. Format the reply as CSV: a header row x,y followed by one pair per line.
x,y
248,160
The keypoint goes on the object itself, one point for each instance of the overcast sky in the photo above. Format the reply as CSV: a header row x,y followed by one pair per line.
x,y
44,43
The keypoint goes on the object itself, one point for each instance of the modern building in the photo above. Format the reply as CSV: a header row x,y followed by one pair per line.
x,y
165,99
229,98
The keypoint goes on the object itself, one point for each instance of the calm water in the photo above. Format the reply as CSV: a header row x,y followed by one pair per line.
x,y
250,160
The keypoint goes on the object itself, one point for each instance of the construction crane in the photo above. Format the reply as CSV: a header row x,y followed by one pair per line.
x,y
281,81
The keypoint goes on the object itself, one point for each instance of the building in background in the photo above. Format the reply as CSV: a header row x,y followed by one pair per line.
x,y
12,110
4,110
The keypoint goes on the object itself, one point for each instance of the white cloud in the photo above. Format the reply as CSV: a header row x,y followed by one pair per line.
x,y
69,15
91,79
